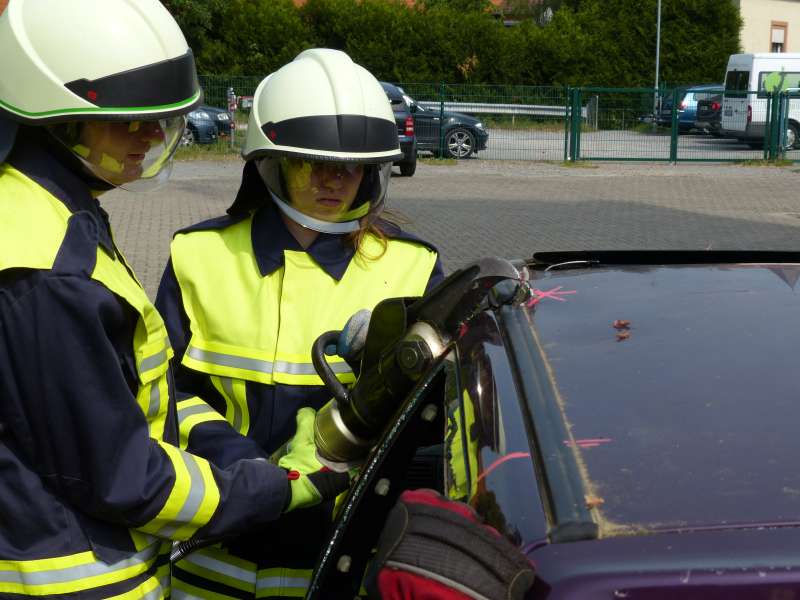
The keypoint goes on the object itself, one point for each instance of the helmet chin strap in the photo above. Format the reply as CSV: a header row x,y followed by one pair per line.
x,y
314,224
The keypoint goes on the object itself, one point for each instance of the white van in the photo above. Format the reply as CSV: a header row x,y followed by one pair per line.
x,y
744,105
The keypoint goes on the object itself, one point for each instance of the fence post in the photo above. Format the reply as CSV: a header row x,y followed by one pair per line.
x,y
578,122
783,118
441,119
575,125
766,150
673,134
769,127
567,120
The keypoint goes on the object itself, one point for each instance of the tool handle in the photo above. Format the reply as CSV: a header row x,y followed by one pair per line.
x,y
324,370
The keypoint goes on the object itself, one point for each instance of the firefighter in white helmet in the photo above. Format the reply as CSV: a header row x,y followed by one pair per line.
x,y
93,95
304,246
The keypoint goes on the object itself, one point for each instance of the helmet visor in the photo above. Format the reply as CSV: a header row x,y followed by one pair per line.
x,y
133,155
329,191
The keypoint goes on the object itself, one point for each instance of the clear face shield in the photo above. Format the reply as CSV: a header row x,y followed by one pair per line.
x,y
326,196
133,155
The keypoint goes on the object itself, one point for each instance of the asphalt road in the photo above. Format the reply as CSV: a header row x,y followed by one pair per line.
x,y
483,207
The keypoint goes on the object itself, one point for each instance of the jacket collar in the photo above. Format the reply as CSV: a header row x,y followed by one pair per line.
x,y
270,237
39,163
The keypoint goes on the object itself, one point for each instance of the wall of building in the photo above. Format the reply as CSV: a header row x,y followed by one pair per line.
x,y
761,18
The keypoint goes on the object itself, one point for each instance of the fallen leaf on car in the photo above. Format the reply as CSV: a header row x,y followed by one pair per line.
x,y
593,501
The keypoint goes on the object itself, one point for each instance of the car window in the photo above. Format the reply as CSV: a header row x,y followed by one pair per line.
x,y
737,81
778,81
488,461
660,449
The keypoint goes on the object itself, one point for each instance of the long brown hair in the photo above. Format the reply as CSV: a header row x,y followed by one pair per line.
x,y
381,226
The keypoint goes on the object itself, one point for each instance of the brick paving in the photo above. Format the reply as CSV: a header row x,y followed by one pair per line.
x,y
480,207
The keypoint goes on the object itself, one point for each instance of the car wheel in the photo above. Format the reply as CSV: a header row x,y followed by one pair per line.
x,y
407,169
791,136
459,143
187,139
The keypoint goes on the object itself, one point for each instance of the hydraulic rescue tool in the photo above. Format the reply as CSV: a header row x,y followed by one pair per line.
x,y
406,335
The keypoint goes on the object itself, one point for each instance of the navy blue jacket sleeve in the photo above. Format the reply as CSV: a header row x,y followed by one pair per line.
x,y
68,381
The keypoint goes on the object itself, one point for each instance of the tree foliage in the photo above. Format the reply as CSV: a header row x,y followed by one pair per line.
x,y
587,42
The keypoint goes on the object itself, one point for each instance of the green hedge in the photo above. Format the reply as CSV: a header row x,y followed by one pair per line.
x,y
602,43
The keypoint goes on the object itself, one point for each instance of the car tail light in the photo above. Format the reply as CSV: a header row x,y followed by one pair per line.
x,y
683,104
409,126
749,113
715,106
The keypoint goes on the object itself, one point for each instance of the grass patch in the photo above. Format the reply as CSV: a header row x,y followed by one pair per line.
x,y
577,164
760,162
219,150
528,124
647,128
438,162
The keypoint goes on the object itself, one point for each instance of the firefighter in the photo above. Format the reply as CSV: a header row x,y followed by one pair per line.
x,y
93,95
304,246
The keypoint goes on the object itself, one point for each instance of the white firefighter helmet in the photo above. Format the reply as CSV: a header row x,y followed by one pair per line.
x,y
94,61
323,111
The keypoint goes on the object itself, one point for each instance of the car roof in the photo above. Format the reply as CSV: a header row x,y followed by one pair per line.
x,y
706,87
679,392
392,90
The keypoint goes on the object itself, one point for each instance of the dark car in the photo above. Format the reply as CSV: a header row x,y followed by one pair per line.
x,y
205,125
627,420
462,134
221,117
405,129
687,106
709,115
201,128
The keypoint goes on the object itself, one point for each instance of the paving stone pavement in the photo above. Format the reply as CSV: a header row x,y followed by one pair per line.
x,y
479,207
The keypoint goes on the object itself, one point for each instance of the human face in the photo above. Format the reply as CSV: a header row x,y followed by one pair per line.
x,y
122,152
321,189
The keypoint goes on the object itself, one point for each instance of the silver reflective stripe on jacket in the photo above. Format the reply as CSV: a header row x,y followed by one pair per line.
x,y
261,366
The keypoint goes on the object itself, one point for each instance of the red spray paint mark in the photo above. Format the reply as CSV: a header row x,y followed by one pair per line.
x,y
555,294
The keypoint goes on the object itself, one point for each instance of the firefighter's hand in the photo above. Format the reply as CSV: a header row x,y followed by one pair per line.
x,y
309,482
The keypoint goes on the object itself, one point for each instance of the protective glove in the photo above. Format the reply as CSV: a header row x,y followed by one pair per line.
x,y
309,481
352,338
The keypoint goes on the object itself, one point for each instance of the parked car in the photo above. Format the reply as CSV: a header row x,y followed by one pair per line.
x,y
463,135
221,117
628,420
205,125
709,115
200,128
405,129
687,106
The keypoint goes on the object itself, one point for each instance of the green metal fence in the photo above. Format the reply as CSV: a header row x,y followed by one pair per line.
x,y
664,125
516,122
